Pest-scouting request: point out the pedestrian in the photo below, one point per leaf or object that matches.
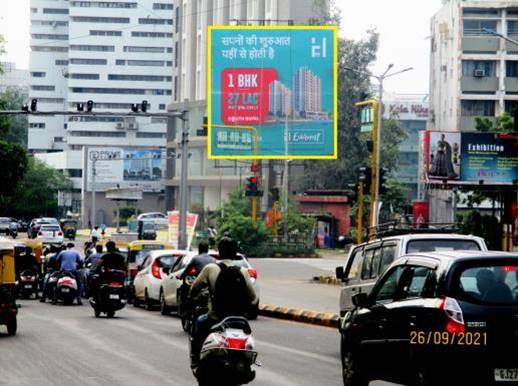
(95, 235)
(213, 233)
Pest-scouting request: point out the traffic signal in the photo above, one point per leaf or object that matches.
(252, 187)
(89, 106)
(383, 181)
(34, 104)
(365, 176)
(144, 105)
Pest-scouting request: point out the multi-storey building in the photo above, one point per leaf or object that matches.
(211, 181)
(472, 72)
(280, 100)
(13, 77)
(114, 53)
(307, 92)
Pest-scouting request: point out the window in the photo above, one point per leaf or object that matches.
(144, 49)
(176, 54)
(480, 12)
(94, 119)
(510, 106)
(131, 91)
(161, 106)
(61, 62)
(388, 255)
(123, 106)
(419, 278)
(356, 263)
(51, 100)
(53, 23)
(85, 47)
(105, 134)
(144, 78)
(512, 27)
(56, 11)
(472, 108)
(37, 74)
(50, 36)
(150, 135)
(105, 33)
(476, 27)
(84, 76)
(48, 49)
(162, 6)
(511, 68)
(484, 67)
(155, 21)
(39, 87)
(376, 261)
(77, 173)
(487, 283)
(158, 120)
(169, 63)
(58, 139)
(98, 62)
(91, 19)
(387, 290)
(33, 125)
(367, 263)
(151, 63)
(140, 34)
(437, 245)
(177, 19)
(34, 10)
(102, 4)
(175, 87)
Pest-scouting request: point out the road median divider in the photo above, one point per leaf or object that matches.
(327, 280)
(327, 319)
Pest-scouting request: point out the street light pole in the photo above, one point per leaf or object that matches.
(184, 191)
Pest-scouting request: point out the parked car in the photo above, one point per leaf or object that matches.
(171, 283)
(435, 319)
(50, 234)
(148, 280)
(367, 261)
(5, 225)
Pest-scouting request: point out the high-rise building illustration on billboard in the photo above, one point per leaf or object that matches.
(280, 100)
(307, 93)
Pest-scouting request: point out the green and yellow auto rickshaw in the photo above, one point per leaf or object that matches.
(8, 309)
(69, 228)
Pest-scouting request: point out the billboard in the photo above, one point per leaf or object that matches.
(272, 92)
(471, 157)
(173, 220)
(143, 168)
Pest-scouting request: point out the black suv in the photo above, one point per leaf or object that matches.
(436, 318)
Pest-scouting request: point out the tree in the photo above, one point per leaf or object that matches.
(13, 129)
(36, 193)
(503, 124)
(13, 159)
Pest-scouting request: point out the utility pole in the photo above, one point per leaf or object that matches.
(184, 189)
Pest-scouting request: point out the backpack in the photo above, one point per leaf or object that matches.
(230, 297)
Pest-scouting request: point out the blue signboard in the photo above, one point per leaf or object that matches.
(272, 92)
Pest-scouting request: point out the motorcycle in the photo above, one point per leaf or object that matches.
(66, 288)
(110, 295)
(189, 310)
(228, 353)
(28, 284)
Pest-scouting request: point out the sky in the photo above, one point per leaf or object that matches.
(404, 27)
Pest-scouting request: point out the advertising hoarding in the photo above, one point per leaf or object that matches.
(125, 167)
(472, 157)
(173, 220)
(272, 92)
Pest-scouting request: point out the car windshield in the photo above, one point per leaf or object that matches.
(490, 283)
(437, 245)
(169, 260)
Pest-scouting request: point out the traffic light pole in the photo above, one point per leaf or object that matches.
(184, 191)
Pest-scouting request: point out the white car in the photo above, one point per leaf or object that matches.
(171, 282)
(148, 280)
(50, 234)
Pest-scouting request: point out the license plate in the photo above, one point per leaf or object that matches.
(112, 296)
(506, 375)
(28, 286)
(65, 289)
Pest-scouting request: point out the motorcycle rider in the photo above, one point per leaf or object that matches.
(208, 277)
(52, 267)
(112, 259)
(70, 261)
(200, 260)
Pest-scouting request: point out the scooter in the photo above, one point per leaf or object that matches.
(66, 288)
(228, 354)
(110, 295)
(28, 284)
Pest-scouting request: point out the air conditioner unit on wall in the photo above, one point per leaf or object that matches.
(120, 125)
(479, 73)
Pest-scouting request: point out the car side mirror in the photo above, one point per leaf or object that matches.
(340, 274)
(361, 300)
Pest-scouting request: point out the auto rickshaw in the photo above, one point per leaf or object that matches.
(69, 228)
(146, 230)
(8, 309)
(137, 250)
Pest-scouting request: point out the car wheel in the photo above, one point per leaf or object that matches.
(148, 305)
(253, 313)
(164, 309)
(12, 326)
(351, 372)
(110, 314)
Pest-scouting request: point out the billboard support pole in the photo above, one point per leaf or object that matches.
(182, 231)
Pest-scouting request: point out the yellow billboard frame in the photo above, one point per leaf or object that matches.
(334, 29)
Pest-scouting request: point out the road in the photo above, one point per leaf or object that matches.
(58, 345)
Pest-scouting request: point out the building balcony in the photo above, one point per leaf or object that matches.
(511, 48)
(468, 123)
(486, 84)
(511, 85)
(480, 44)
